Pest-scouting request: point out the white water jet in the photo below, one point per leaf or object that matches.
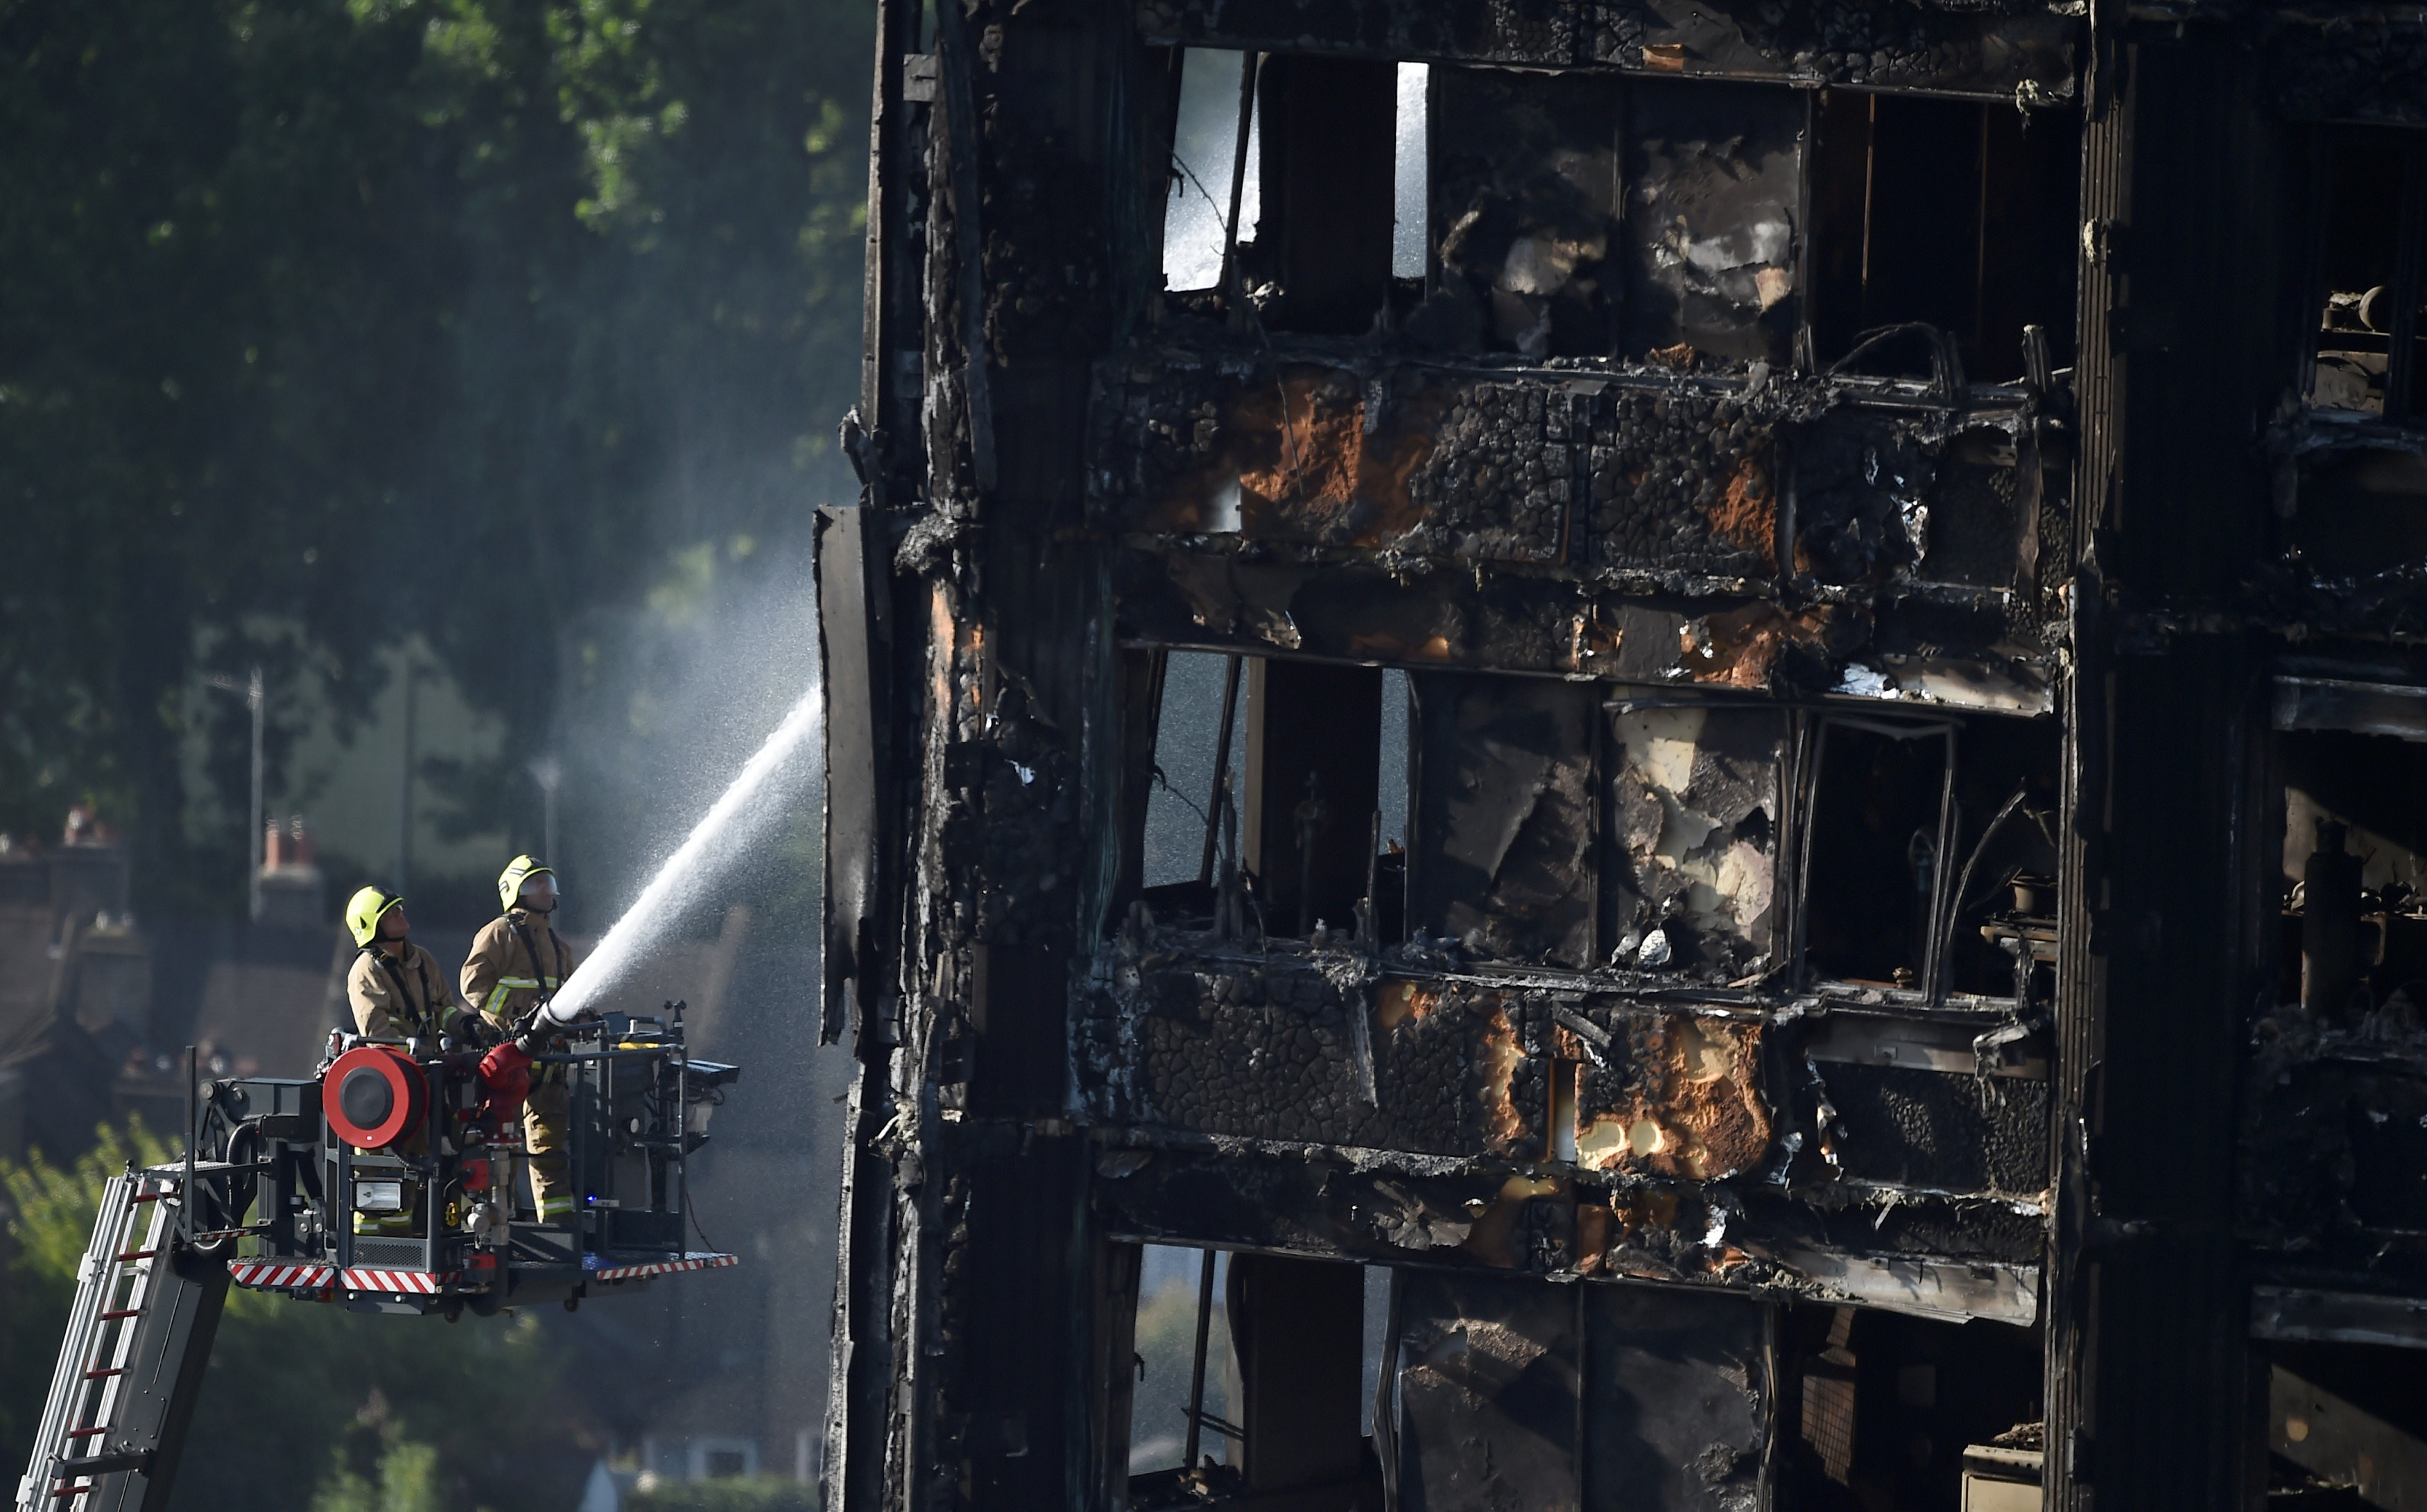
(737, 819)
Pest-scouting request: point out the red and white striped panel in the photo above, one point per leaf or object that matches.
(275, 1276)
(425, 1283)
(695, 1261)
(279, 1276)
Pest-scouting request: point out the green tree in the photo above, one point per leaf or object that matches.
(323, 324)
(200, 212)
(406, 1481)
(737, 1493)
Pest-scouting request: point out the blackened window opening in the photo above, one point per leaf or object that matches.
(1953, 215)
(1327, 149)
(1688, 861)
(1410, 241)
(2343, 1416)
(1190, 768)
(1298, 1334)
(2000, 938)
(1501, 844)
(1291, 779)
(1527, 206)
(2353, 921)
(1204, 153)
(1888, 1411)
(1181, 1344)
(2373, 185)
(1876, 841)
(1311, 786)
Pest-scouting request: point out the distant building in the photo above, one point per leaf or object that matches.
(96, 1008)
(76, 998)
(294, 895)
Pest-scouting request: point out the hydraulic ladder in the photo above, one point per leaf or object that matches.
(139, 1336)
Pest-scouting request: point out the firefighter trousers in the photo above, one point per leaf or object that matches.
(547, 1118)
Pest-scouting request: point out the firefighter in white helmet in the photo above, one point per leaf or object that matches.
(517, 959)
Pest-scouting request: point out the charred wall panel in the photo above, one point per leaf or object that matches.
(2005, 53)
(1679, 481)
(1715, 184)
(851, 663)
(1944, 501)
(1005, 1290)
(1503, 836)
(1942, 1132)
(1474, 1216)
(1527, 206)
(1695, 814)
(1322, 455)
(1860, 514)
(1489, 1385)
(1672, 1095)
(1016, 1066)
(1677, 1396)
(1280, 1055)
(1637, 483)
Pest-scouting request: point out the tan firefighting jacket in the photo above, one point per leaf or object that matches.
(399, 997)
(501, 979)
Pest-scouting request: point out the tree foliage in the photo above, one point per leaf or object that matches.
(739, 1493)
(406, 1480)
(325, 323)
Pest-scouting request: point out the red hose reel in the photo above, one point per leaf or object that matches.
(373, 1096)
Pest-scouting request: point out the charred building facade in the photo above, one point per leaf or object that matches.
(1682, 746)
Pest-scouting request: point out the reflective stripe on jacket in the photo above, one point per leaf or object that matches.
(399, 997)
(500, 979)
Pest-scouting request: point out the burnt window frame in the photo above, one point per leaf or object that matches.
(1833, 346)
(1954, 855)
(1231, 814)
(1235, 1359)
(1272, 95)
(1810, 779)
(1815, 341)
(1801, 769)
(2309, 705)
(2403, 403)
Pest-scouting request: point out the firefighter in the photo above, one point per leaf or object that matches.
(517, 960)
(396, 988)
(399, 992)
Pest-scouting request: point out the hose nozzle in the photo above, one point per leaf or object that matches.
(548, 1014)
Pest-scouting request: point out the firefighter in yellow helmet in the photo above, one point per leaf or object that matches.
(397, 987)
(516, 959)
(397, 991)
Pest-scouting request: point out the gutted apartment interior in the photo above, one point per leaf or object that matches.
(1634, 757)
